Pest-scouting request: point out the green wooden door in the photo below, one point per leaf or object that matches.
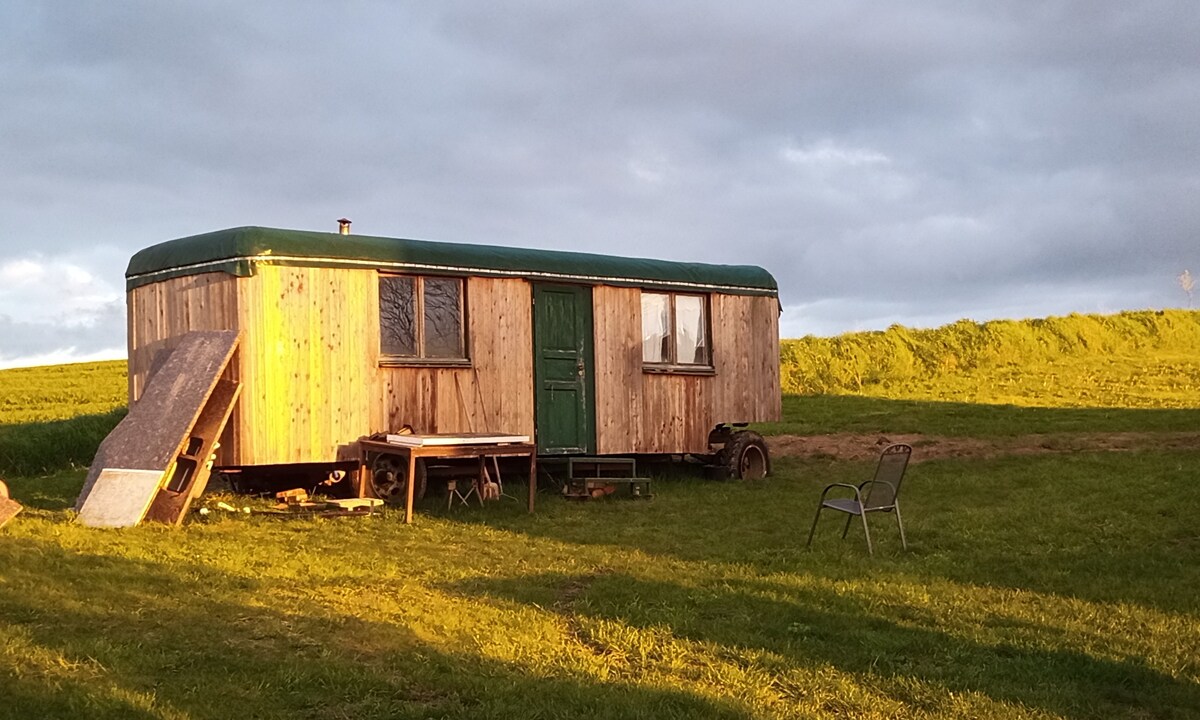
(563, 373)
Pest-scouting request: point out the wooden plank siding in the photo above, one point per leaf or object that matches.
(494, 395)
(617, 369)
(638, 412)
(160, 313)
(309, 360)
(307, 363)
(312, 385)
(745, 341)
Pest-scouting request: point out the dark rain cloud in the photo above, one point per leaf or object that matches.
(889, 163)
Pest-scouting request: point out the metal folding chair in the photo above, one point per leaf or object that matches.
(880, 494)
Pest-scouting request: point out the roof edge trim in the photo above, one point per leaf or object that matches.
(244, 267)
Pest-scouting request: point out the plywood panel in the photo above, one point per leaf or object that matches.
(119, 497)
(8, 510)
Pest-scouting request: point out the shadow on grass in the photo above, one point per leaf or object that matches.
(811, 627)
(98, 636)
(820, 414)
(45, 447)
(52, 492)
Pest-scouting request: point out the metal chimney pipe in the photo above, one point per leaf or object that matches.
(344, 226)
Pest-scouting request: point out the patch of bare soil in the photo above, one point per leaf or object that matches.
(860, 446)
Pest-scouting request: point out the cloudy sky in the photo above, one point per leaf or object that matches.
(913, 162)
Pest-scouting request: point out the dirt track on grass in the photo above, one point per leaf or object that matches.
(861, 446)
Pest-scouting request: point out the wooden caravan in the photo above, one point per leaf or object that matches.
(347, 335)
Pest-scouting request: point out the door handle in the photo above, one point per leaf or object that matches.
(579, 368)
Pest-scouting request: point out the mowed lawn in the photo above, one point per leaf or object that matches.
(1048, 586)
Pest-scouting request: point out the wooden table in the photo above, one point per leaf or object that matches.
(444, 446)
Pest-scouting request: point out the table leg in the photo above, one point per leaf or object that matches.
(480, 479)
(498, 480)
(532, 478)
(412, 477)
(363, 476)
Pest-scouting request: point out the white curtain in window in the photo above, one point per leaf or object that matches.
(691, 345)
(656, 317)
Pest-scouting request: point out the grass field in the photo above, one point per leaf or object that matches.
(1149, 381)
(808, 415)
(61, 392)
(1131, 359)
(1057, 587)
(1045, 586)
(53, 417)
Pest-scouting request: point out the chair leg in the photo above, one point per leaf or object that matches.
(900, 523)
(813, 529)
(849, 517)
(481, 480)
(867, 532)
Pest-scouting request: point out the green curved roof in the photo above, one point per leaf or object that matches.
(239, 250)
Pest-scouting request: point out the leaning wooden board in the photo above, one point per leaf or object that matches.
(188, 477)
(171, 424)
(119, 497)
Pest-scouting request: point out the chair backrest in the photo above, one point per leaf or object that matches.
(892, 464)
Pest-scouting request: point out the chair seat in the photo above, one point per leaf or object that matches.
(878, 494)
(845, 505)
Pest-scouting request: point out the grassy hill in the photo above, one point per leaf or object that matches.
(1144, 359)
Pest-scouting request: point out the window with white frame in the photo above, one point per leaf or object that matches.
(422, 319)
(675, 331)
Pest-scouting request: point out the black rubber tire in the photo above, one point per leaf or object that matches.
(219, 481)
(745, 456)
(388, 480)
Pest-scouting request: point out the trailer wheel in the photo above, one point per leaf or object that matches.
(389, 479)
(745, 456)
